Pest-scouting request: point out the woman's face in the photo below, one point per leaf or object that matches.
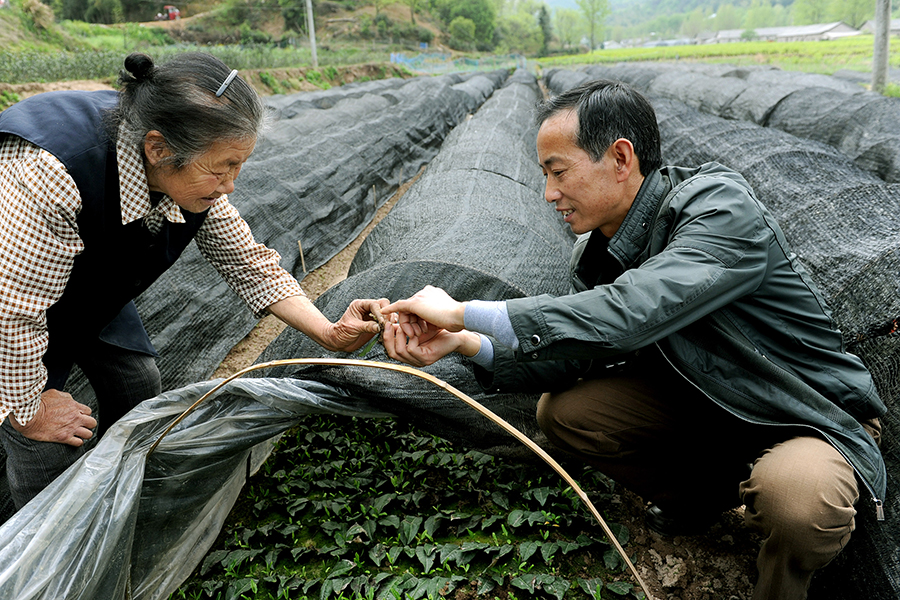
(197, 186)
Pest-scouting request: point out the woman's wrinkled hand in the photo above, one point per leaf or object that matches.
(360, 322)
(59, 419)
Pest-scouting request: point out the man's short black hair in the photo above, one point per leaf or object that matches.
(609, 110)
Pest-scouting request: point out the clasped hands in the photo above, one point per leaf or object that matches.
(426, 327)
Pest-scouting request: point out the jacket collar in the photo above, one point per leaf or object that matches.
(634, 233)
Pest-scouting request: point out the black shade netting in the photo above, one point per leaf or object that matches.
(476, 224)
(861, 124)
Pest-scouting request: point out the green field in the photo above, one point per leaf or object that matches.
(853, 53)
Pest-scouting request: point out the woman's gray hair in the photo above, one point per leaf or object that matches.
(179, 99)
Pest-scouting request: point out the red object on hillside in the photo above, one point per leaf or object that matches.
(169, 13)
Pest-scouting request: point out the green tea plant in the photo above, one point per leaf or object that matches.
(8, 98)
(374, 508)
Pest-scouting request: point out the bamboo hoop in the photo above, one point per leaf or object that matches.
(521, 437)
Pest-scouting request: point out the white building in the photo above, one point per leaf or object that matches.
(869, 27)
(795, 33)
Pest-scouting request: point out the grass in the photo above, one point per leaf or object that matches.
(854, 53)
(374, 508)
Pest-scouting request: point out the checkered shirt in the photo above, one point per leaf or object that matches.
(39, 205)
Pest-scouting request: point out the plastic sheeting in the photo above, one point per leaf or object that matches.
(843, 224)
(476, 224)
(121, 524)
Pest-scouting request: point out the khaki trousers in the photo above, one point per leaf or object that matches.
(653, 432)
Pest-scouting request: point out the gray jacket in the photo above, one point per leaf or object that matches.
(705, 273)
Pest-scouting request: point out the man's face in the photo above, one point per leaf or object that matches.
(589, 195)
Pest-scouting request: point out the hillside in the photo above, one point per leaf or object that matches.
(335, 24)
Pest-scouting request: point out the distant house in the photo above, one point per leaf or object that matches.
(676, 42)
(869, 27)
(796, 33)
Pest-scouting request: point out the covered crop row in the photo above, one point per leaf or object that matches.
(475, 224)
(861, 124)
(842, 222)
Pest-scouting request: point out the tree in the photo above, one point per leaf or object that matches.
(854, 13)
(103, 11)
(462, 33)
(413, 7)
(568, 26)
(694, 24)
(546, 28)
(136, 10)
(595, 13)
(480, 12)
(519, 33)
(294, 14)
(74, 10)
(727, 17)
(810, 12)
(760, 14)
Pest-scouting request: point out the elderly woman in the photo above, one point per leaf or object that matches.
(100, 192)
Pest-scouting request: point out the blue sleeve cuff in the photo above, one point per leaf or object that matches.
(490, 318)
(484, 358)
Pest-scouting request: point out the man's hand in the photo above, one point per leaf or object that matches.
(432, 344)
(360, 322)
(430, 306)
(59, 419)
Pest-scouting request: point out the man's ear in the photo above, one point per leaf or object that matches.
(626, 160)
(155, 147)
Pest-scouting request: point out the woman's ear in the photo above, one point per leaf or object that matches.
(155, 147)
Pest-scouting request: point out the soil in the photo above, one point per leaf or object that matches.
(718, 565)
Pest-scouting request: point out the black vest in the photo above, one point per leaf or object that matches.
(119, 261)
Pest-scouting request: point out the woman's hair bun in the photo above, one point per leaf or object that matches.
(138, 64)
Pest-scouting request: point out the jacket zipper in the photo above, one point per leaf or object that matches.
(879, 505)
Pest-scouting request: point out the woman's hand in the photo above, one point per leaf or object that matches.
(360, 322)
(357, 325)
(59, 419)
